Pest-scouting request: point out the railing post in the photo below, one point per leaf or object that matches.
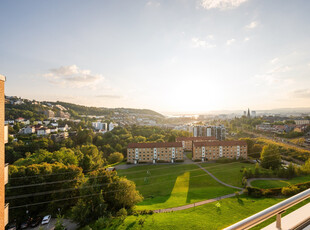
(278, 222)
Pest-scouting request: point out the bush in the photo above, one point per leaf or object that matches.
(289, 191)
(115, 158)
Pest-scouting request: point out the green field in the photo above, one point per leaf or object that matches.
(166, 186)
(279, 183)
(230, 173)
(207, 216)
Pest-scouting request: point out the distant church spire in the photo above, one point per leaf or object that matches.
(249, 113)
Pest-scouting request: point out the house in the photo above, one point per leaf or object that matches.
(43, 131)
(28, 130)
(49, 113)
(54, 129)
(63, 128)
(25, 122)
(112, 126)
(213, 150)
(54, 124)
(46, 122)
(154, 152)
(9, 122)
(59, 136)
(100, 126)
(20, 119)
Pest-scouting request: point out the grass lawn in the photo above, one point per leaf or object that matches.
(189, 155)
(279, 183)
(166, 186)
(228, 172)
(207, 216)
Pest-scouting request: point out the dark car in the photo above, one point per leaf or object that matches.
(24, 225)
(35, 221)
(12, 226)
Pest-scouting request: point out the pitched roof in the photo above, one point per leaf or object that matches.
(219, 143)
(196, 139)
(155, 145)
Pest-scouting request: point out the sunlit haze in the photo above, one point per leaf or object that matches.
(172, 56)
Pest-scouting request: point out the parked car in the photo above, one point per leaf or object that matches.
(12, 226)
(35, 221)
(46, 219)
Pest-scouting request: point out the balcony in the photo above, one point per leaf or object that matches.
(6, 134)
(6, 173)
(6, 214)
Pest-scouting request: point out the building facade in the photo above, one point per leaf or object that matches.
(4, 208)
(187, 142)
(210, 131)
(154, 152)
(219, 149)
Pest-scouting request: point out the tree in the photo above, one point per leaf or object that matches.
(115, 158)
(270, 157)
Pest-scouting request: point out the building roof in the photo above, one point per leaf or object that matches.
(155, 145)
(196, 139)
(219, 143)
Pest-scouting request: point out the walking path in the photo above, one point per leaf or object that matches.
(204, 201)
(221, 182)
(249, 181)
(194, 204)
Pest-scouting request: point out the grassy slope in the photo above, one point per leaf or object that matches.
(189, 155)
(173, 185)
(203, 217)
(228, 173)
(279, 183)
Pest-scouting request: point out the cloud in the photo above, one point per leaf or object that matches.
(252, 25)
(154, 4)
(221, 4)
(72, 76)
(275, 60)
(301, 93)
(110, 96)
(199, 43)
(231, 41)
(246, 39)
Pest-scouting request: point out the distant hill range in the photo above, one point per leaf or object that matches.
(30, 109)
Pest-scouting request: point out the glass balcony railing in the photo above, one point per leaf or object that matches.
(6, 173)
(6, 214)
(6, 134)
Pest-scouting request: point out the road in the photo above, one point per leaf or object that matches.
(67, 223)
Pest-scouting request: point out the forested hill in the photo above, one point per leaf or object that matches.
(86, 110)
(30, 109)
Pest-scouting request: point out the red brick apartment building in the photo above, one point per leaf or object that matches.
(187, 142)
(4, 208)
(154, 152)
(218, 149)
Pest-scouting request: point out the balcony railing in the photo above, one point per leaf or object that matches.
(276, 209)
(6, 134)
(6, 173)
(6, 214)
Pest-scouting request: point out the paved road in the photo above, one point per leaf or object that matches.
(67, 223)
(249, 181)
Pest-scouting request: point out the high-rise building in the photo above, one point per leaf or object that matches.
(249, 115)
(210, 131)
(4, 208)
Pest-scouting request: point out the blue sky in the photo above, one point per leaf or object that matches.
(169, 55)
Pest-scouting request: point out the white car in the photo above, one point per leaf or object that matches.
(46, 219)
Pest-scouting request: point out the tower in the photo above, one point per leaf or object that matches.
(249, 113)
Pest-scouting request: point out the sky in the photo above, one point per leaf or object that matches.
(172, 56)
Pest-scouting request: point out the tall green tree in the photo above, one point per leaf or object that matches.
(270, 157)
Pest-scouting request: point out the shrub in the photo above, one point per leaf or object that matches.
(289, 191)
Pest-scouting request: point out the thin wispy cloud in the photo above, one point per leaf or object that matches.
(252, 25)
(275, 60)
(107, 96)
(221, 4)
(230, 41)
(246, 39)
(301, 93)
(154, 4)
(200, 43)
(73, 77)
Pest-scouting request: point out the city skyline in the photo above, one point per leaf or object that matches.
(175, 56)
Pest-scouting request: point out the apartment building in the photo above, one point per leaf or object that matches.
(187, 142)
(154, 152)
(210, 131)
(4, 208)
(218, 149)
